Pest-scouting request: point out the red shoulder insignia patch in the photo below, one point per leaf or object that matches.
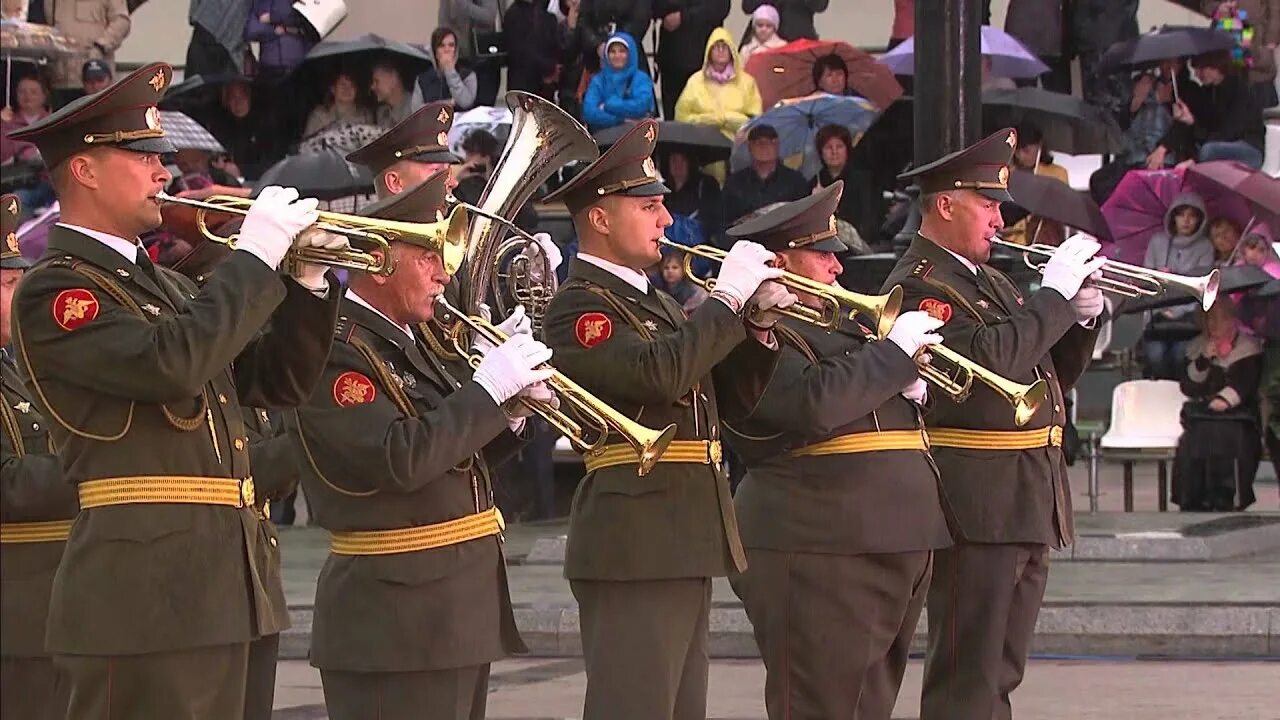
(352, 388)
(592, 329)
(73, 308)
(936, 308)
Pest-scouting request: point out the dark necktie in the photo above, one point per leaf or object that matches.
(144, 264)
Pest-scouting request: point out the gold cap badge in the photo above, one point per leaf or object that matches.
(157, 81)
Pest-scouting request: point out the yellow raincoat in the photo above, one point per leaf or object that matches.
(727, 106)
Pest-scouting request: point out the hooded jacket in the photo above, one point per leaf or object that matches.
(729, 105)
(1181, 254)
(615, 96)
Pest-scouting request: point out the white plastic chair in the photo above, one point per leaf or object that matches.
(1079, 168)
(1145, 427)
(1103, 342)
(1271, 150)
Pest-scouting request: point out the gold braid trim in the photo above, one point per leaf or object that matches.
(311, 461)
(379, 368)
(10, 422)
(427, 331)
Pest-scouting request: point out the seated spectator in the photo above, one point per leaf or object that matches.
(831, 75)
(1182, 248)
(795, 17)
(620, 91)
(394, 101)
(1217, 120)
(1224, 235)
(1219, 451)
(694, 194)
(763, 33)
(32, 98)
(1150, 114)
(450, 79)
(251, 135)
(95, 76)
(1032, 156)
(284, 37)
(531, 35)
(765, 181)
(1257, 249)
(861, 204)
(671, 278)
(343, 107)
(722, 95)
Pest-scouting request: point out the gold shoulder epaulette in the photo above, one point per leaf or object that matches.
(344, 329)
(922, 268)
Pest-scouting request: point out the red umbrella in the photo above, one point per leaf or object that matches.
(787, 72)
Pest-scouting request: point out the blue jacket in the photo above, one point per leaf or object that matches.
(618, 95)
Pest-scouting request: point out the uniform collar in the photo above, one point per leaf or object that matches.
(634, 278)
(962, 260)
(353, 297)
(128, 249)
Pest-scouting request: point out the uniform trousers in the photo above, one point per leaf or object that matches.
(983, 606)
(32, 688)
(204, 683)
(644, 644)
(453, 694)
(834, 630)
(260, 686)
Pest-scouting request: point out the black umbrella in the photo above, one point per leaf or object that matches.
(364, 51)
(324, 176)
(196, 90)
(1070, 124)
(704, 142)
(1167, 43)
(1054, 199)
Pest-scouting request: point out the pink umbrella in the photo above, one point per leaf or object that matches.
(1136, 210)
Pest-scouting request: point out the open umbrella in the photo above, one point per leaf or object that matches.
(1070, 124)
(1261, 190)
(1136, 209)
(324, 176)
(342, 138)
(702, 142)
(1167, 43)
(1056, 200)
(798, 121)
(787, 72)
(1009, 58)
(364, 51)
(187, 134)
(494, 120)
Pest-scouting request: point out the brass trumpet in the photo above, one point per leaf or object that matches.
(838, 304)
(649, 444)
(958, 382)
(1127, 280)
(447, 236)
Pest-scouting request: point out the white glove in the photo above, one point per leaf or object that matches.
(274, 220)
(548, 248)
(1071, 265)
(917, 392)
(1088, 303)
(517, 324)
(311, 275)
(914, 330)
(743, 269)
(513, 366)
(767, 300)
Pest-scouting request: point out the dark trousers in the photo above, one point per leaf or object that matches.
(454, 694)
(673, 82)
(1273, 449)
(32, 688)
(644, 644)
(983, 605)
(206, 683)
(834, 630)
(260, 685)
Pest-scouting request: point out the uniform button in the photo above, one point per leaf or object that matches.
(273, 542)
(239, 444)
(1057, 408)
(222, 398)
(35, 426)
(1048, 374)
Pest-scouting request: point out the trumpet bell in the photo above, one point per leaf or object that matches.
(885, 309)
(652, 444)
(1028, 401)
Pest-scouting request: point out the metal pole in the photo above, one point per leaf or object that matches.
(948, 77)
(1094, 481)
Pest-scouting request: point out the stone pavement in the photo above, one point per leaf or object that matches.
(1141, 584)
(547, 689)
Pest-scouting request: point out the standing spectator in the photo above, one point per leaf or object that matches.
(94, 76)
(569, 44)
(1032, 156)
(343, 107)
(450, 79)
(1038, 24)
(795, 16)
(1096, 25)
(766, 181)
(532, 39)
(394, 101)
(217, 44)
(861, 204)
(904, 23)
(620, 91)
(1264, 17)
(722, 95)
(1217, 120)
(468, 17)
(98, 28)
(1182, 248)
(602, 18)
(284, 37)
(762, 34)
(1224, 235)
(686, 27)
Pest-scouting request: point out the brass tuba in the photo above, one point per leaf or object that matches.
(543, 139)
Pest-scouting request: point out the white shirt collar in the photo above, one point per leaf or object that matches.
(353, 297)
(963, 261)
(128, 249)
(634, 278)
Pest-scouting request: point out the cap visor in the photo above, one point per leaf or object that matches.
(17, 262)
(831, 245)
(149, 145)
(1000, 195)
(648, 189)
(436, 156)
